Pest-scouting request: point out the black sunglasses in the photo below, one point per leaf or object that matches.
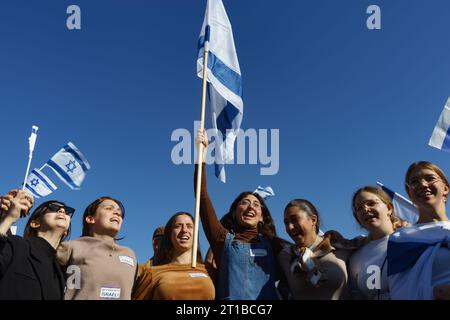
(55, 207)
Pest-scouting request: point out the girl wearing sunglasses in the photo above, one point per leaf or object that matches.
(28, 266)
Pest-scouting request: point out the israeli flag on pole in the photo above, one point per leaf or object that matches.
(441, 136)
(70, 165)
(39, 184)
(224, 81)
(404, 208)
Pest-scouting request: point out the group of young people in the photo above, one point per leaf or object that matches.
(246, 260)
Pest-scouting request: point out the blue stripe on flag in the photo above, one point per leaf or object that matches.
(390, 193)
(446, 142)
(229, 78)
(62, 173)
(43, 180)
(76, 156)
(33, 191)
(403, 255)
(225, 118)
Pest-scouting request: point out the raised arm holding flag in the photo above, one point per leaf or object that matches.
(218, 66)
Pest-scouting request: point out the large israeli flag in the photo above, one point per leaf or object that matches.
(441, 136)
(224, 81)
(39, 184)
(414, 258)
(70, 165)
(404, 209)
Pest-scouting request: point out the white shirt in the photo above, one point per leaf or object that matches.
(368, 270)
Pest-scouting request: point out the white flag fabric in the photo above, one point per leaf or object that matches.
(441, 136)
(417, 260)
(264, 192)
(70, 165)
(224, 81)
(39, 184)
(404, 209)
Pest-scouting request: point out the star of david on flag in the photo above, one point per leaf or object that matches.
(39, 184)
(70, 165)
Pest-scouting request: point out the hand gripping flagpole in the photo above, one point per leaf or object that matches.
(200, 160)
(31, 143)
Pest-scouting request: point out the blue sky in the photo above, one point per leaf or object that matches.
(353, 105)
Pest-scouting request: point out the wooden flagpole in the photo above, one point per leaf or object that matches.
(200, 161)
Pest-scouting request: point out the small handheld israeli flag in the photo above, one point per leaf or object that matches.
(39, 184)
(70, 165)
(440, 138)
(264, 192)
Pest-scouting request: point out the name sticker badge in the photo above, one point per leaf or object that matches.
(197, 275)
(110, 293)
(127, 260)
(258, 252)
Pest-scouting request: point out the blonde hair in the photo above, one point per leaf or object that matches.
(384, 197)
(425, 165)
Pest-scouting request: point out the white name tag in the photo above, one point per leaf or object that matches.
(127, 260)
(258, 252)
(110, 293)
(197, 275)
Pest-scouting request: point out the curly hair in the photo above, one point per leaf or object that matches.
(266, 227)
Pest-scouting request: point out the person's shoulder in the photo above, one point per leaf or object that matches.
(14, 238)
(73, 243)
(126, 250)
(339, 242)
(17, 241)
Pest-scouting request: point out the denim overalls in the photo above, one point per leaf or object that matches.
(247, 270)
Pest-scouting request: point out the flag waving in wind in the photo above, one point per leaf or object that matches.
(70, 165)
(441, 136)
(39, 184)
(224, 81)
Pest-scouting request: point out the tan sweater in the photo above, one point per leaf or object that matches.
(97, 269)
(331, 263)
(174, 282)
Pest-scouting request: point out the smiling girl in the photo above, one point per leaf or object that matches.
(419, 256)
(171, 277)
(244, 245)
(28, 267)
(313, 268)
(374, 211)
(96, 266)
